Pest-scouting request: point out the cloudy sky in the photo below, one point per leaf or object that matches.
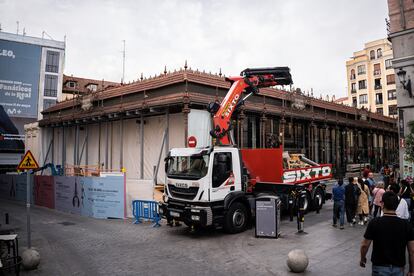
(313, 37)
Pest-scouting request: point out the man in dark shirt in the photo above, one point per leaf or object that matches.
(390, 236)
(351, 201)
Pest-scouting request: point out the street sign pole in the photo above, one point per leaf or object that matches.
(28, 196)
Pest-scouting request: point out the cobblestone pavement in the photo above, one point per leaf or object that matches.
(75, 245)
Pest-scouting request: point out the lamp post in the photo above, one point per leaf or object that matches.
(406, 84)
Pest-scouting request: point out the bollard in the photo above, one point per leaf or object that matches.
(301, 212)
(291, 207)
(7, 218)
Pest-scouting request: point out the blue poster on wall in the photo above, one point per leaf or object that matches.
(106, 195)
(68, 194)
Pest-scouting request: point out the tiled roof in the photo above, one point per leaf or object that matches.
(82, 83)
(210, 80)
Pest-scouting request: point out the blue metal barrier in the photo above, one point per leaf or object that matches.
(146, 209)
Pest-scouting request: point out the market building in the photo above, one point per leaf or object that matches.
(126, 126)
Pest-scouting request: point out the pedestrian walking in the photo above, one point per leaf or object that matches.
(390, 236)
(402, 209)
(406, 192)
(338, 193)
(377, 194)
(386, 176)
(363, 206)
(351, 201)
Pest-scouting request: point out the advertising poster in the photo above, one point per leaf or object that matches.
(107, 197)
(407, 169)
(44, 191)
(68, 194)
(7, 189)
(19, 78)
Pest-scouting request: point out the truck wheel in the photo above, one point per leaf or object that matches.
(236, 218)
(307, 204)
(318, 199)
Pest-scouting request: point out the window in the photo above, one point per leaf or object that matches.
(372, 54)
(51, 83)
(353, 87)
(377, 69)
(391, 79)
(361, 69)
(388, 63)
(352, 74)
(52, 61)
(92, 87)
(377, 84)
(222, 168)
(363, 99)
(392, 109)
(380, 111)
(392, 94)
(48, 103)
(378, 98)
(71, 84)
(379, 53)
(354, 102)
(362, 84)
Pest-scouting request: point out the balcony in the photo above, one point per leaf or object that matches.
(377, 72)
(377, 87)
(378, 102)
(352, 77)
(353, 91)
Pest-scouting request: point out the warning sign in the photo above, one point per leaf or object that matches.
(28, 162)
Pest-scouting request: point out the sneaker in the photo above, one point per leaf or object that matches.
(361, 223)
(334, 225)
(351, 224)
(341, 227)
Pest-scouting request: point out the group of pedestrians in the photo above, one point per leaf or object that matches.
(356, 200)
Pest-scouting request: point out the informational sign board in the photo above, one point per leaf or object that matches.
(19, 78)
(28, 162)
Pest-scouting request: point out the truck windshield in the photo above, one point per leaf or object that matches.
(188, 167)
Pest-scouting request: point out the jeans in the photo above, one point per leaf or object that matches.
(338, 211)
(387, 270)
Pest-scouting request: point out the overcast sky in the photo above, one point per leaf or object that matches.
(313, 37)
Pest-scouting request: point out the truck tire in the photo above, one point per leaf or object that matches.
(318, 199)
(236, 218)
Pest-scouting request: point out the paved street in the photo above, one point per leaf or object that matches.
(75, 245)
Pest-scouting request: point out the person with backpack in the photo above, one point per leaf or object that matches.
(338, 193)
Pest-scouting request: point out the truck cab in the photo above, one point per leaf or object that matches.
(201, 186)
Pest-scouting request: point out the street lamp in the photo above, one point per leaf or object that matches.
(406, 84)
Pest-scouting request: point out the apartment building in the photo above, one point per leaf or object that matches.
(371, 78)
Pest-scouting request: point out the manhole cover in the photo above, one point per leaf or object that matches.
(67, 223)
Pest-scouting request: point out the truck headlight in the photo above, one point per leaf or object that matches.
(195, 218)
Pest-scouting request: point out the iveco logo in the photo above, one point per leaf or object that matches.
(6, 53)
(181, 185)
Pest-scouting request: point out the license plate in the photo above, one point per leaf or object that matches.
(175, 214)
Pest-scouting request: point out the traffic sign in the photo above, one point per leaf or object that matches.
(192, 142)
(28, 162)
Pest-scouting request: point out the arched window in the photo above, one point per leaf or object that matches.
(379, 53)
(352, 77)
(372, 54)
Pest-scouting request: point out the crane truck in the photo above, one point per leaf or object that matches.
(217, 185)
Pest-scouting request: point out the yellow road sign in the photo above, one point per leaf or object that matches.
(28, 162)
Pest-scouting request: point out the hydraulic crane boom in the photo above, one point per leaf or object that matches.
(250, 80)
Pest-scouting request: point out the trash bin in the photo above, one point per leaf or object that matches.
(268, 216)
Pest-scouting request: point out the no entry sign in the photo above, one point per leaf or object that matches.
(192, 142)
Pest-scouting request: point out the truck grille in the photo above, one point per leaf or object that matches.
(184, 193)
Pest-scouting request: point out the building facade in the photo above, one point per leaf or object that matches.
(371, 78)
(31, 74)
(125, 126)
(401, 33)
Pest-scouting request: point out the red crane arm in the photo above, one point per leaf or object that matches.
(252, 80)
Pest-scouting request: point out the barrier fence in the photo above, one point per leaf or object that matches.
(146, 209)
(98, 197)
